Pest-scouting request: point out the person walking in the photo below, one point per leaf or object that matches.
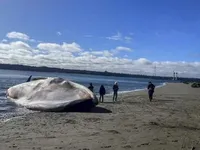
(102, 92)
(115, 90)
(150, 88)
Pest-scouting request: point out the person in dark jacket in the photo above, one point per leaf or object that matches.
(150, 88)
(102, 92)
(115, 90)
(91, 87)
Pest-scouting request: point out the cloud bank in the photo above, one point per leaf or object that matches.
(73, 56)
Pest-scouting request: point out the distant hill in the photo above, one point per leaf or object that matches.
(106, 73)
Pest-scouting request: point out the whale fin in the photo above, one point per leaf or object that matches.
(29, 79)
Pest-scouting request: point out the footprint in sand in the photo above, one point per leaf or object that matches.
(92, 119)
(163, 143)
(58, 147)
(113, 131)
(38, 148)
(95, 133)
(70, 121)
(108, 146)
(174, 140)
(156, 139)
(127, 146)
(143, 144)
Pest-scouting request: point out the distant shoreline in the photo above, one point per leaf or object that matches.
(105, 73)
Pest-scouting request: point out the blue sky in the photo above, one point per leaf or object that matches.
(157, 30)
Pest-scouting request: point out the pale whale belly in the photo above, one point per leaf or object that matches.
(52, 94)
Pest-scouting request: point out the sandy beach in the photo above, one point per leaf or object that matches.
(170, 122)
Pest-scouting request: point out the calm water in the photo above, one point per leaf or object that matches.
(9, 78)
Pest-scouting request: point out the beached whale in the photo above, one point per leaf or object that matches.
(52, 94)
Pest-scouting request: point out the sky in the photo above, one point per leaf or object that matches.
(125, 36)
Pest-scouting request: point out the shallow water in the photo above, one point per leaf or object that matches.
(9, 78)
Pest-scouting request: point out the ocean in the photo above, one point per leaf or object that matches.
(10, 78)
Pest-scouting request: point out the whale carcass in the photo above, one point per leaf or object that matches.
(52, 94)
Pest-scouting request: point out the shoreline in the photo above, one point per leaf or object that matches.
(106, 95)
(136, 90)
(170, 121)
(73, 71)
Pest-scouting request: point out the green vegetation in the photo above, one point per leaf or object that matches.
(195, 85)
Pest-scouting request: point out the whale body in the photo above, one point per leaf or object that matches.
(52, 94)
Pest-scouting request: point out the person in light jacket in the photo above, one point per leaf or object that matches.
(115, 90)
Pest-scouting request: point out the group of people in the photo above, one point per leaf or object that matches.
(102, 91)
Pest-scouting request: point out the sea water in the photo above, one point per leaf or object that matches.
(10, 78)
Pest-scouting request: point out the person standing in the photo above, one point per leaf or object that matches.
(150, 88)
(102, 92)
(91, 87)
(115, 90)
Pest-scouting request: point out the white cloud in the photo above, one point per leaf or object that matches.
(143, 61)
(116, 37)
(49, 46)
(121, 48)
(14, 45)
(127, 38)
(17, 35)
(15, 50)
(73, 47)
(19, 45)
(59, 33)
(106, 53)
(103, 53)
(72, 56)
(120, 37)
(68, 47)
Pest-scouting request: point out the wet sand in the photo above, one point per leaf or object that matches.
(170, 122)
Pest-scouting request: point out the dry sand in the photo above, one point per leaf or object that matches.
(170, 122)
